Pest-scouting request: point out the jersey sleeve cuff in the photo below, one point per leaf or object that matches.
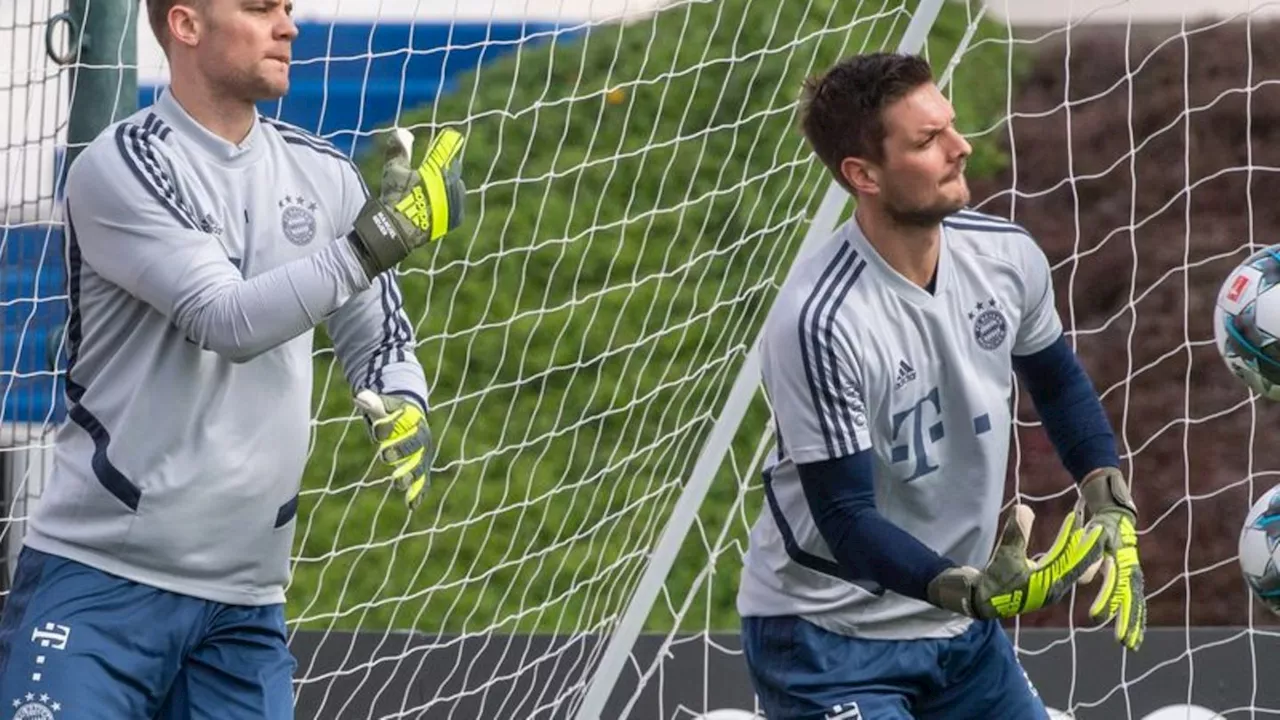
(820, 453)
(410, 395)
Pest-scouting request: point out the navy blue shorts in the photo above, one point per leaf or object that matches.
(802, 672)
(77, 643)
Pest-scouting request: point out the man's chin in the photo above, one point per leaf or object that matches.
(957, 191)
(927, 216)
(270, 90)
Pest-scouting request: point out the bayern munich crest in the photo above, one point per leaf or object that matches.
(298, 219)
(33, 707)
(990, 327)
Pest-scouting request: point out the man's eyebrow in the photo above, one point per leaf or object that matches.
(933, 128)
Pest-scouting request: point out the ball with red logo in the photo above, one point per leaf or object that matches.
(1247, 322)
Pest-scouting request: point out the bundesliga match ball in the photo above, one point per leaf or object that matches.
(1259, 540)
(1246, 322)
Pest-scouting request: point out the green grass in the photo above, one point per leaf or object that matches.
(631, 248)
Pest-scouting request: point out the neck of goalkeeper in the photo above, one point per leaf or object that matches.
(912, 250)
(226, 115)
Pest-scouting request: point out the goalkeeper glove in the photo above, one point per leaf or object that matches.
(1123, 594)
(404, 441)
(413, 207)
(1013, 584)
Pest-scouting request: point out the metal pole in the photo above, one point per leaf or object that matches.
(102, 53)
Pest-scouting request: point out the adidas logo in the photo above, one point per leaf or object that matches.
(906, 374)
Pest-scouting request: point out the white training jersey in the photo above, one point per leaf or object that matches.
(857, 357)
(197, 270)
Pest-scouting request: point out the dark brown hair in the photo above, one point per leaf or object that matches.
(842, 110)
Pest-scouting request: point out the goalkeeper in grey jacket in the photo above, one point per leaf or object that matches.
(204, 243)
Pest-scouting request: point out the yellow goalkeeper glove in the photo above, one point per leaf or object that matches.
(414, 206)
(1012, 583)
(404, 441)
(1105, 494)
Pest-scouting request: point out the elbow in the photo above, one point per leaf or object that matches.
(239, 354)
(850, 522)
(218, 333)
(228, 348)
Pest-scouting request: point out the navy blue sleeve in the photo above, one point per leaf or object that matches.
(1069, 407)
(841, 498)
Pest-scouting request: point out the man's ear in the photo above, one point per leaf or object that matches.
(184, 25)
(861, 175)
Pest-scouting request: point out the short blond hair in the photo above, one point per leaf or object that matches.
(158, 16)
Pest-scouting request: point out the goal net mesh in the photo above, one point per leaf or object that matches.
(33, 296)
(637, 188)
(1140, 156)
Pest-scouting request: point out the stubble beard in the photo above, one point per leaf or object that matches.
(924, 216)
(248, 87)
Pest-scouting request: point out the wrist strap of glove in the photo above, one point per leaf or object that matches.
(1106, 488)
(376, 239)
(953, 590)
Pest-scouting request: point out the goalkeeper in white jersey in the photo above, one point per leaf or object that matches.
(875, 579)
(204, 244)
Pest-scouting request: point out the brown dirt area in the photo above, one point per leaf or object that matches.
(1141, 242)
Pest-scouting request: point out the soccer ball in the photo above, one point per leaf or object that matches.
(1246, 322)
(1259, 540)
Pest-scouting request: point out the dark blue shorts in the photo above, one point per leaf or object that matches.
(802, 672)
(77, 643)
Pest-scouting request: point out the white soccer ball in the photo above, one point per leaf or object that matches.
(1246, 322)
(1259, 540)
(1184, 712)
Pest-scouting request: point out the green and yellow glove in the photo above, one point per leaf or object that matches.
(414, 206)
(1111, 509)
(404, 441)
(1012, 583)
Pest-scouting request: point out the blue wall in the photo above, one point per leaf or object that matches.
(32, 310)
(388, 68)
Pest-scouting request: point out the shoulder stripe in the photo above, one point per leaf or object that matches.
(132, 142)
(973, 220)
(810, 355)
(297, 136)
(975, 216)
(289, 127)
(160, 129)
(307, 143)
(986, 227)
(818, 352)
(844, 412)
(294, 135)
(983, 217)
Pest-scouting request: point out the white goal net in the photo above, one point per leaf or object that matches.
(1140, 155)
(637, 189)
(33, 117)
